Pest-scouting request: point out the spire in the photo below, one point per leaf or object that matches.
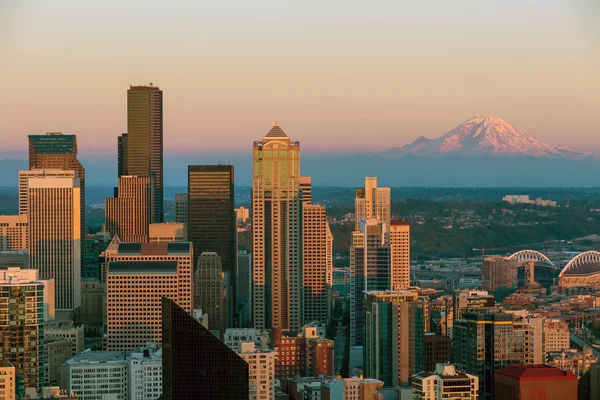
(276, 123)
(276, 131)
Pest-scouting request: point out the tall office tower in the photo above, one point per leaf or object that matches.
(57, 151)
(122, 155)
(498, 272)
(22, 329)
(138, 276)
(445, 382)
(393, 342)
(244, 289)
(372, 202)
(181, 208)
(314, 263)
(399, 243)
(211, 215)
(13, 232)
(484, 343)
(55, 237)
(329, 255)
(208, 291)
(128, 214)
(305, 183)
(25, 175)
(276, 232)
(144, 141)
(196, 364)
(8, 381)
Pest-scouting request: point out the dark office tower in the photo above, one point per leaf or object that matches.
(57, 151)
(145, 140)
(211, 216)
(195, 363)
(122, 150)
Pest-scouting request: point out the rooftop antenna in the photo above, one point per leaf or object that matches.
(151, 84)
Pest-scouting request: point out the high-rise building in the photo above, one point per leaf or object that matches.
(55, 237)
(465, 301)
(276, 232)
(25, 175)
(23, 274)
(57, 151)
(314, 263)
(167, 232)
(181, 208)
(128, 214)
(484, 343)
(305, 183)
(437, 350)
(144, 143)
(211, 216)
(139, 275)
(534, 381)
(196, 364)
(22, 329)
(122, 155)
(244, 288)
(13, 232)
(556, 335)
(372, 202)
(379, 260)
(93, 246)
(8, 381)
(208, 291)
(445, 382)
(498, 272)
(261, 367)
(329, 257)
(393, 342)
(242, 214)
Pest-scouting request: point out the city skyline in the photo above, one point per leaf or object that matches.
(370, 77)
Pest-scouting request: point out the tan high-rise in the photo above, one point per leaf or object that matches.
(13, 232)
(399, 242)
(55, 236)
(372, 202)
(144, 146)
(208, 290)
(128, 214)
(138, 276)
(314, 262)
(276, 232)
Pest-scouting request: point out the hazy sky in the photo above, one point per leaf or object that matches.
(341, 75)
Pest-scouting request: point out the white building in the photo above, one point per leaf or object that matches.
(97, 375)
(261, 370)
(144, 371)
(446, 383)
(234, 337)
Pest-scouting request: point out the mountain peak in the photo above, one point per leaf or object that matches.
(486, 135)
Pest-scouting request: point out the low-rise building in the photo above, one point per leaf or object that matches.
(57, 350)
(67, 330)
(352, 389)
(95, 375)
(235, 336)
(534, 381)
(261, 370)
(167, 232)
(445, 383)
(144, 372)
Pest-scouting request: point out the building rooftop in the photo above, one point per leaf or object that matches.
(142, 267)
(96, 357)
(396, 222)
(527, 371)
(276, 132)
(154, 249)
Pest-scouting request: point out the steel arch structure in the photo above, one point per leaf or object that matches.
(587, 257)
(530, 255)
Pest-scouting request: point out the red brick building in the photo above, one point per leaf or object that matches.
(305, 354)
(534, 382)
(437, 350)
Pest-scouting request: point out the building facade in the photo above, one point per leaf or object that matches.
(128, 214)
(261, 370)
(209, 293)
(276, 232)
(13, 232)
(145, 141)
(557, 336)
(314, 263)
(167, 232)
(82, 375)
(55, 236)
(138, 276)
(445, 383)
(8, 381)
(534, 381)
(181, 208)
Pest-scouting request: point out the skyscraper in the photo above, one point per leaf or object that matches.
(399, 243)
(372, 202)
(208, 291)
(57, 151)
(196, 364)
(276, 232)
(122, 155)
(55, 236)
(128, 214)
(181, 208)
(144, 142)
(13, 232)
(138, 276)
(393, 342)
(211, 214)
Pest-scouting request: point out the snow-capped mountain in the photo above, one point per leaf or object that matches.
(485, 136)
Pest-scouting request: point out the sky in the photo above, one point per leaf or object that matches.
(343, 76)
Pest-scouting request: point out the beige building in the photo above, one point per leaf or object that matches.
(16, 274)
(67, 330)
(24, 177)
(138, 276)
(329, 255)
(56, 351)
(55, 236)
(261, 370)
(276, 232)
(314, 262)
(498, 272)
(352, 389)
(167, 232)
(445, 383)
(372, 202)
(556, 335)
(8, 381)
(242, 214)
(305, 183)
(399, 243)
(128, 215)
(208, 290)
(13, 232)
